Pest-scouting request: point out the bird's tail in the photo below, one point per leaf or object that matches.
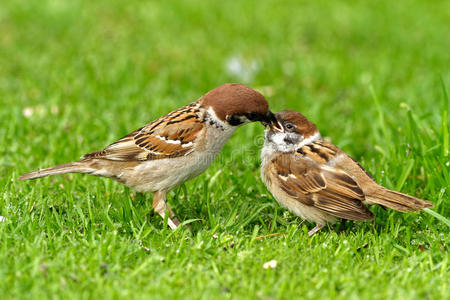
(73, 167)
(398, 201)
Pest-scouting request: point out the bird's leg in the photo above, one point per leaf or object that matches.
(172, 216)
(315, 229)
(160, 206)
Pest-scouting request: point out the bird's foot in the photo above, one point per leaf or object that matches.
(173, 224)
(161, 207)
(176, 221)
(171, 220)
(315, 229)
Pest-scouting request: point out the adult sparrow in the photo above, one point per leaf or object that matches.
(318, 181)
(174, 148)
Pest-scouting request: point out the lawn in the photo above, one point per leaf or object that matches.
(77, 75)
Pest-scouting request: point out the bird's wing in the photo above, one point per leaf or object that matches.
(172, 135)
(326, 188)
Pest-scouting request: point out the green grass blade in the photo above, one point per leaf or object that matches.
(444, 126)
(445, 149)
(437, 216)
(381, 119)
(405, 173)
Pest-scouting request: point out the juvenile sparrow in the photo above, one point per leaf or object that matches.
(174, 148)
(318, 181)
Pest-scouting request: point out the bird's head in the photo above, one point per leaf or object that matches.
(236, 104)
(290, 130)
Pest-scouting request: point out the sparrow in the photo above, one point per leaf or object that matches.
(174, 148)
(316, 180)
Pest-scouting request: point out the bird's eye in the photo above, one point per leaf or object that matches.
(289, 126)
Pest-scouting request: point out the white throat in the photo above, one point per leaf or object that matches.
(277, 143)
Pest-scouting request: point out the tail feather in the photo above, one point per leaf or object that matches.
(398, 201)
(73, 167)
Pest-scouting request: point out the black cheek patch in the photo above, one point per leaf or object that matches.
(288, 140)
(234, 120)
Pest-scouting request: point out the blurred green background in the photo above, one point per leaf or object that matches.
(76, 75)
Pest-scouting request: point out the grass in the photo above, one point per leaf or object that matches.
(76, 75)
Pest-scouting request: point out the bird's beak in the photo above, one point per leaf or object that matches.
(272, 122)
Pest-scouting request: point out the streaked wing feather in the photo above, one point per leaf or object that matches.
(328, 189)
(170, 136)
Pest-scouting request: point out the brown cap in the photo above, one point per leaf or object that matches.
(302, 124)
(235, 99)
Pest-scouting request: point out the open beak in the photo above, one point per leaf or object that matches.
(272, 122)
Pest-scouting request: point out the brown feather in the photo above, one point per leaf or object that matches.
(163, 138)
(397, 200)
(329, 190)
(73, 167)
(303, 125)
(227, 100)
(320, 151)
